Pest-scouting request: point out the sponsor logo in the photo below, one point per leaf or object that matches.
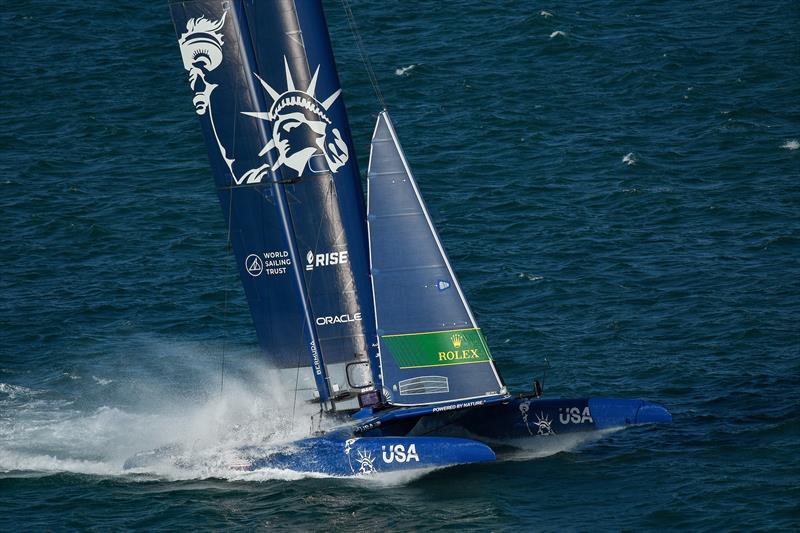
(457, 339)
(437, 348)
(461, 354)
(328, 259)
(254, 265)
(338, 319)
(302, 133)
(274, 263)
(453, 355)
(574, 415)
(397, 453)
(454, 406)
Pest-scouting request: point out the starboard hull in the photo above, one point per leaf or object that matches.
(522, 418)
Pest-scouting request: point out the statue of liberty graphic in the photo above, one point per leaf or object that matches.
(301, 129)
(296, 117)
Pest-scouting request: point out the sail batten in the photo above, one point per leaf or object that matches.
(426, 330)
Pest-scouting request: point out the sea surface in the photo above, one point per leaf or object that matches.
(616, 183)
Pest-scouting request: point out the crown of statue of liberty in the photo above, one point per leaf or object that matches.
(295, 99)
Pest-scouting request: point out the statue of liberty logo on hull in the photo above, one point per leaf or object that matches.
(302, 132)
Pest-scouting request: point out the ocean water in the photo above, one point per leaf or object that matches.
(616, 183)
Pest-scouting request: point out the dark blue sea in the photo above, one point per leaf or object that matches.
(617, 185)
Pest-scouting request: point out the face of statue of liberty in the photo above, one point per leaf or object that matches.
(291, 133)
(301, 128)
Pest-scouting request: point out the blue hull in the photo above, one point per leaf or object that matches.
(338, 455)
(510, 419)
(531, 417)
(424, 438)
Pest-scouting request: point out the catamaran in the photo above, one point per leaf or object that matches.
(354, 303)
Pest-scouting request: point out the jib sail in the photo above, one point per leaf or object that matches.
(269, 102)
(431, 349)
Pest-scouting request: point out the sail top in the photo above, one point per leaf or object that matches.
(431, 349)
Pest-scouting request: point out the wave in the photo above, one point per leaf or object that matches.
(404, 71)
(792, 144)
(528, 449)
(15, 391)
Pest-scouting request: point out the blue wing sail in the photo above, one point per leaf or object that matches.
(431, 349)
(269, 102)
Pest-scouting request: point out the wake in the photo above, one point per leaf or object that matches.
(170, 415)
(42, 433)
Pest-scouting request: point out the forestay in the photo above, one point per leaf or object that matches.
(431, 349)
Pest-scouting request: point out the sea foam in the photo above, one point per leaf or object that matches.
(630, 159)
(792, 144)
(207, 430)
(404, 71)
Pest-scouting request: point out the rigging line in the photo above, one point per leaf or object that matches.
(229, 249)
(296, 383)
(364, 57)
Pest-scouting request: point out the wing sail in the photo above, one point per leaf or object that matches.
(269, 101)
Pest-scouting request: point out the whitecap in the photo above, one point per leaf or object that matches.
(530, 277)
(403, 71)
(102, 381)
(792, 144)
(557, 33)
(630, 159)
(16, 462)
(545, 14)
(12, 391)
